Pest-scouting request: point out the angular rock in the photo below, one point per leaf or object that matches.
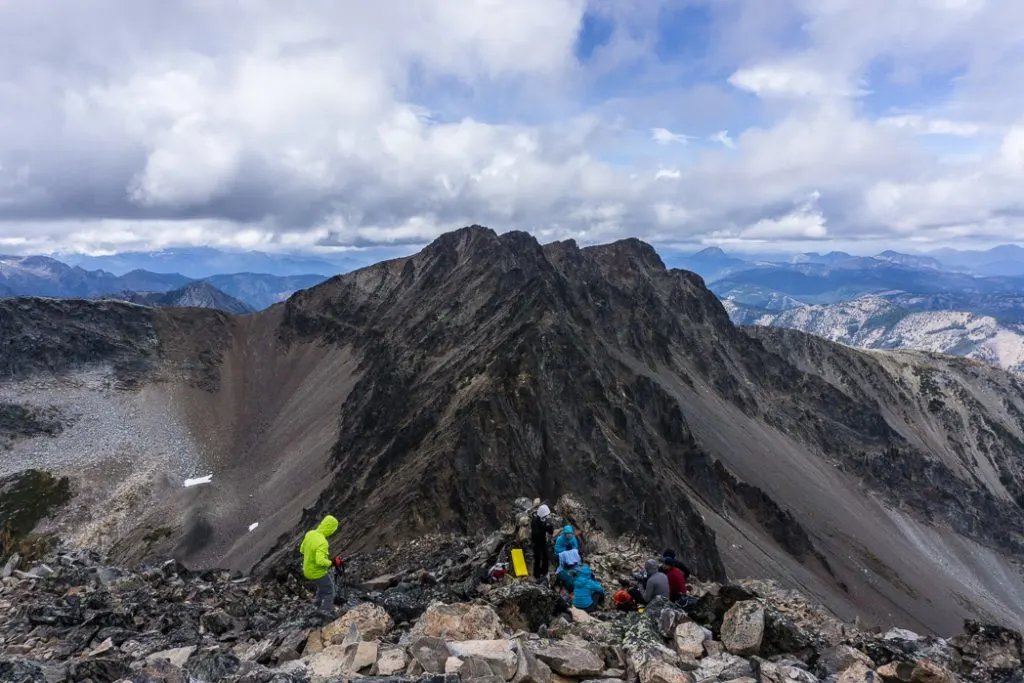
(724, 667)
(99, 669)
(500, 655)
(291, 647)
(176, 657)
(837, 659)
(986, 646)
(431, 653)
(461, 622)
(524, 606)
(930, 672)
(161, 671)
(314, 642)
(391, 661)
(783, 637)
(371, 620)
(743, 628)
(659, 672)
(858, 673)
(211, 665)
(381, 583)
(571, 660)
(711, 607)
(530, 669)
(896, 672)
(217, 622)
(453, 665)
(771, 672)
(689, 638)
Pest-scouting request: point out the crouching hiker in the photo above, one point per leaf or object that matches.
(317, 562)
(587, 594)
(657, 582)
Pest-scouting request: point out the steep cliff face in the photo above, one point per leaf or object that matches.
(422, 393)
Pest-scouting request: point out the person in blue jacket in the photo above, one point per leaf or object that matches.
(566, 540)
(586, 592)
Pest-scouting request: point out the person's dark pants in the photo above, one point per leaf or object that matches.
(324, 599)
(541, 560)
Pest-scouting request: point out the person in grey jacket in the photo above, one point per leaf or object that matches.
(657, 582)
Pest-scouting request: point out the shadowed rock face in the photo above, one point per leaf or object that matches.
(420, 394)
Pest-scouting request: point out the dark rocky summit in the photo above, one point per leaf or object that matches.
(73, 619)
(413, 397)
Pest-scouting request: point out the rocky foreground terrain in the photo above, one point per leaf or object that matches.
(429, 618)
(414, 397)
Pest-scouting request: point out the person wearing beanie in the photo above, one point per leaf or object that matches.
(540, 529)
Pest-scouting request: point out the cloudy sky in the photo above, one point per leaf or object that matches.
(321, 124)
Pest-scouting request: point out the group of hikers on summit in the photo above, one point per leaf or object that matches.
(666, 577)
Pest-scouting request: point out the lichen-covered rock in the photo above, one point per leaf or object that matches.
(530, 669)
(571, 660)
(431, 652)
(210, 665)
(930, 672)
(371, 621)
(724, 667)
(986, 647)
(689, 638)
(743, 628)
(500, 655)
(655, 671)
(391, 661)
(461, 622)
(896, 672)
(524, 606)
(837, 659)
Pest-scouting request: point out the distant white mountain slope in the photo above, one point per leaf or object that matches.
(872, 322)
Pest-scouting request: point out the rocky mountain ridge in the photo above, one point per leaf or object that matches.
(414, 394)
(192, 295)
(72, 619)
(879, 323)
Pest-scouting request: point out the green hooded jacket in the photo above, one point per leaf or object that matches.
(316, 558)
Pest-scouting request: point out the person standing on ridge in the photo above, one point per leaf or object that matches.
(540, 529)
(317, 562)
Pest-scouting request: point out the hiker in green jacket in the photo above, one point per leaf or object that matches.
(317, 562)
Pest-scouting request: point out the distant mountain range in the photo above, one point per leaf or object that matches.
(45, 276)
(877, 323)
(199, 294)
(199, 263)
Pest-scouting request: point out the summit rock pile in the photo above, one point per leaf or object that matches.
(72, 618)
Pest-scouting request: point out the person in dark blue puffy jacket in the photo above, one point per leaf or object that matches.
(586, 592)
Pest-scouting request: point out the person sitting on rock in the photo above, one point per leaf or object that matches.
(567, 576)
(657, 582)
(569, 557)
(668, 558)
(540, 529)
(566, 540)
(676, 581)
(317, 561)
(587, 594)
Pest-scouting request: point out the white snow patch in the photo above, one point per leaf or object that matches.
(198, 480)
(252, 527)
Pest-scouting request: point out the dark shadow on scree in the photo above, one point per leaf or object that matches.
(198, 536)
